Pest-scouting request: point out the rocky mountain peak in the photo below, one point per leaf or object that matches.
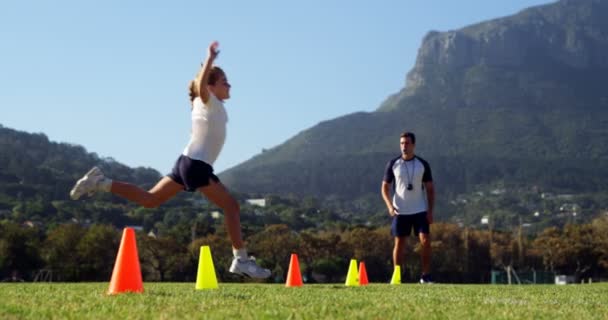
(571, 33)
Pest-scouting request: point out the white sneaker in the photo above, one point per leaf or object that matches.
(248, 268)
(88, 184)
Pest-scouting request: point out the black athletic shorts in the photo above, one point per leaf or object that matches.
(403, 224)
(192, 174)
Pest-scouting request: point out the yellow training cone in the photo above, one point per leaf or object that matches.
(205, 277)
(351, 277)
(396, 279)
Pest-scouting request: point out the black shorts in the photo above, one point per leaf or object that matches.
(403, 224)
(192, 174)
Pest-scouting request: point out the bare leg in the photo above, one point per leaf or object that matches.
(399, 251)
(164, 190)
(219, 195)
(425, 253)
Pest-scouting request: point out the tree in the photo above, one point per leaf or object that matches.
(580, 251)
(97, 251)
(163, 258)
(549, 245)
(478, 260)
(374, 247)
(275, 243)
(60, 251)
(449, 254)
(316, 251)
(18, 250)
(600, 230)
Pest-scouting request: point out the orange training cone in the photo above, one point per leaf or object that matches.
(362, 274)
(294, 277)
(126, 276)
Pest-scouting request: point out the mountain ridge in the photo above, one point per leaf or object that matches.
(511, 104)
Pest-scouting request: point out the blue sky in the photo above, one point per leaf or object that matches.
(112, 75)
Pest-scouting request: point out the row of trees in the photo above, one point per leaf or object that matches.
(71, 252)
(36, 175)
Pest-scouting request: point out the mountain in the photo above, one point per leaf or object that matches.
(36, 176)
(32, 167)
(517, 101)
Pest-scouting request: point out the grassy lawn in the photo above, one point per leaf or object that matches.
(323, 301)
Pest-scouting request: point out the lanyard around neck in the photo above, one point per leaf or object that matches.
(410, 186)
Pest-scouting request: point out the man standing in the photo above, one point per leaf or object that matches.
(412, 204)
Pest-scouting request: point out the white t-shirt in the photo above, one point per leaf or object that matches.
(414, 172)
(208, 130)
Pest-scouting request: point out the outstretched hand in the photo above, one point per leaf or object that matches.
(213, 51)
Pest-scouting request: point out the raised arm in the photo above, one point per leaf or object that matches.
(203, 76)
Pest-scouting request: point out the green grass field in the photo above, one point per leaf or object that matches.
(323, 301)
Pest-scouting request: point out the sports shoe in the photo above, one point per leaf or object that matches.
(426, 279)
(88, 184)
(248, 268)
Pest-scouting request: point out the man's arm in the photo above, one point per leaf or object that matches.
(430, 198)
(386, 195)
(203, 76)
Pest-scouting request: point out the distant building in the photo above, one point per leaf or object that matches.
(485, 220)
(498, 191)
(564, 279)
(546, 195)
(216, 215)
(84, 223)
(31, 224)
(199, 201)
(257, 202)
(565, 196)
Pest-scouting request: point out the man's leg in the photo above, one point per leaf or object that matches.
(425, 253)
(399, 252)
